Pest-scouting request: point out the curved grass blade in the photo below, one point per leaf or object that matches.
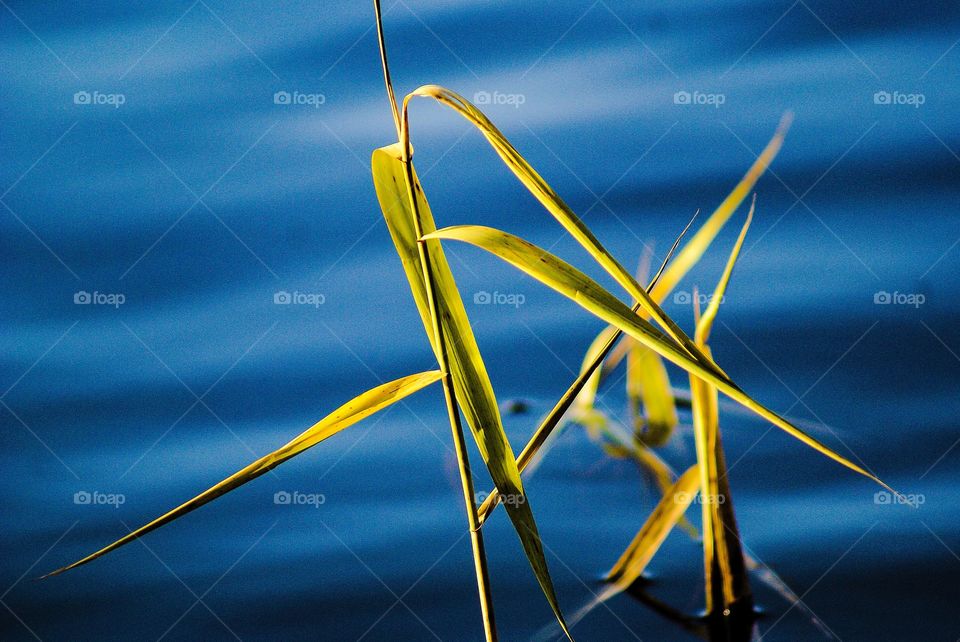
(346, 415)
(693, 251)
(567, 280)
(570, 397)
(560, 211)
(471, 382)
(654, 531)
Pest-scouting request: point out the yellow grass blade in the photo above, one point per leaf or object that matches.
(472, 386)
(649, 385)
(567, 280)
(705, 324)
(346, 415)
(588, 394)
(698, 244)
(647, 542)
(559, 209)
(725, 572)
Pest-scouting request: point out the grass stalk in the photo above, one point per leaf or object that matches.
(728, 598)
(553, 418)
(453, 411)
(463, 461)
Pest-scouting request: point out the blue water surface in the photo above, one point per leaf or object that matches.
(171, 169)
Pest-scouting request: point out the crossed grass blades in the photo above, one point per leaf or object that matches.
(650, 336)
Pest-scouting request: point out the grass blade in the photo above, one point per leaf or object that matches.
(654, 531)
(725, 571)
(710, 314)
(567, 280)
(346, 415)
(470, 379)
(560, 211)
(693, 251)
(648, 385)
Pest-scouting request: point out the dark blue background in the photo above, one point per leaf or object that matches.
(199, 198)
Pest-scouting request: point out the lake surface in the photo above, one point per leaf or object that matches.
(147, 165)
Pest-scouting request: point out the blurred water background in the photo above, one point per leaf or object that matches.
(144, 154)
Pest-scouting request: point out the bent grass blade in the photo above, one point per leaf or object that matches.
(580, 395)
(472, 386)
(725, 572)
(654, 531)
(567, 280)
(560, 211)
(356, 409)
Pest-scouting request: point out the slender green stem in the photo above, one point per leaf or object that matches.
(386, 67)
(453, 411)
(466, 478)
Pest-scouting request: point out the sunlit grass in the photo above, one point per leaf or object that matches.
(643, 336)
